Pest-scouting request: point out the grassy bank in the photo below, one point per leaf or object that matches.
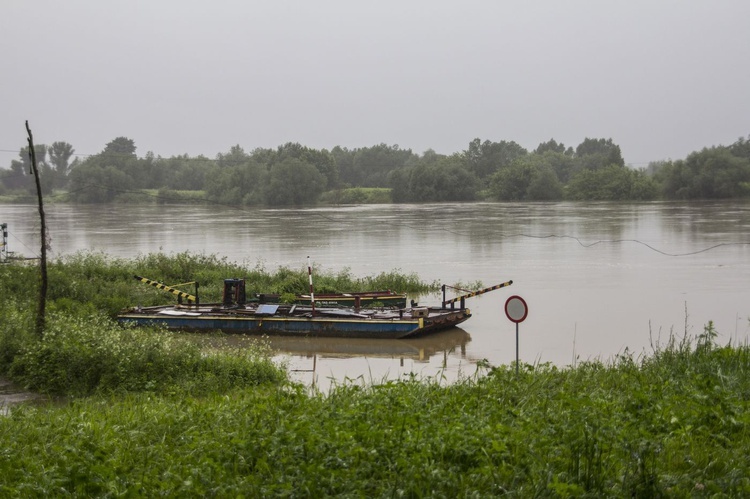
(94, 282)
(148, 413)
(674, 424)
(83, 351)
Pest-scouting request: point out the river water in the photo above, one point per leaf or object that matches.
(598, 278)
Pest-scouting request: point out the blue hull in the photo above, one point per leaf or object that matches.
(300, 326)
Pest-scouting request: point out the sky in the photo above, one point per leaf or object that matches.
(661, 78)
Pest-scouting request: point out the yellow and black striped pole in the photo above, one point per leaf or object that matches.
(170, 289)
(474, 293)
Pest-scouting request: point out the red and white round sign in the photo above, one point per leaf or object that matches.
(516, 309)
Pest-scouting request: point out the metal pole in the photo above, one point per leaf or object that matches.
(312, 295)
(516, 349)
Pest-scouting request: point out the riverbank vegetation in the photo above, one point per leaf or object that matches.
(295, 175)
(670, 424)
(148, 413)
(83, 351)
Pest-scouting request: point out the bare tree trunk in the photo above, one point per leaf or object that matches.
(40, 320)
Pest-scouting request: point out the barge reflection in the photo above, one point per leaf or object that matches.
(419, 348)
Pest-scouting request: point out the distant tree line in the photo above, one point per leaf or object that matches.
(293, 174)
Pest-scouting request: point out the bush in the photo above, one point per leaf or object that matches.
(81, 356)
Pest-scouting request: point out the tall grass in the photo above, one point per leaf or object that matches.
(672, 424)
(83, 356)
(170, 418)
(86, 282)
(84, 352)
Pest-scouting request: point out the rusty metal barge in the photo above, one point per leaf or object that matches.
(238, 315)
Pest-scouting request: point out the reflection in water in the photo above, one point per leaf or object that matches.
(325, 355)
(419, 348)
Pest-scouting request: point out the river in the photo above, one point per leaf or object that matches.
(598, 278)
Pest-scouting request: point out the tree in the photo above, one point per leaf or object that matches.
(612, 183)
(434, 178)
(552, 146)
(344, 159)
(241, 184)
(120, 155)
(486, 158)
(91, 183)
(544, 186)
(293, 182)
(322, 160)
(59, 157)
(371, 166)
(235, 157)
(120, 146)
(741, 148)
(709, 174)
(563, 164)
(512, 183)
(186, 173)
(399, 183)
(592, 154)
(528, 178)
(20, 177)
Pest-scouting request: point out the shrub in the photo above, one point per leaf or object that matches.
(80, 356)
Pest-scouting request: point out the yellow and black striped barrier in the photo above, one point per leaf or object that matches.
(170, 289)
(475, 293)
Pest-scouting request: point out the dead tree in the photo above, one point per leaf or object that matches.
(40, 317)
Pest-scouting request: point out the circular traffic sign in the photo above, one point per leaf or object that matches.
(516, 309)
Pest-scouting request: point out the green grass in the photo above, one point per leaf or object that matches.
(87, 282)
(149, 413)
(83, 351)
(674, 424)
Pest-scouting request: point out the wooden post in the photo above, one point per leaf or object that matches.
(40, 319)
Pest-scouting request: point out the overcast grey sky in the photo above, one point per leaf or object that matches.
(662, 78)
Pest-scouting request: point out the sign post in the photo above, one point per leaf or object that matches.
(516, 310)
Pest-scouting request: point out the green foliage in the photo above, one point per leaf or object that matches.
(672, 424)
(709, 174)
(237, 183)
(593, 154)
(323, 161)
(84, 351)
(395, 281)
(611, 183)
(293, 182)
(741, 148)
(554, 147)
(171, 196)
(370, 166)
(442, 180)
(122, 147)
(357, 195)
(293, 174)
(486, 158)
(87, 282)
(529, 178)
(91, 183)
(80, 356)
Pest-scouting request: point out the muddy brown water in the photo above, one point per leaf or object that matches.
(598, 278)
(11, 394)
